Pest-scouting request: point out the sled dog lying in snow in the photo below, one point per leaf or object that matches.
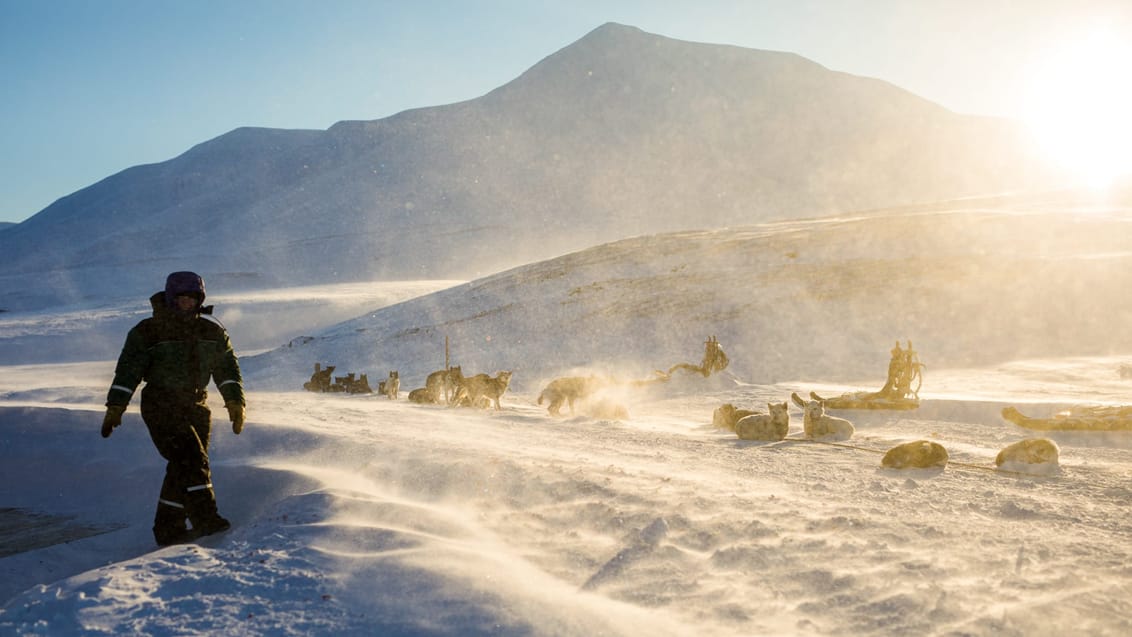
(819, 425)
(918, 454)
(1024, 454)
(569, 390)
(772, 426)
(471, 390)
(726, 415)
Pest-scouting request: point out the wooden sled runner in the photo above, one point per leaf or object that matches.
(1077, 419)
(866, 400)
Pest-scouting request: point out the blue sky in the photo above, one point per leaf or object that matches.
(91, 87)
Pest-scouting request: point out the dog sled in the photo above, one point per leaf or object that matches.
(1083, 418)
(867, 400)
(901, 390)
(714, 360)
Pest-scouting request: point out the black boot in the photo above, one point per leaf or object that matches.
(169, 524)
(215, 524)
(200, 502)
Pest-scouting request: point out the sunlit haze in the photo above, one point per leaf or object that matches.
(1079, 104)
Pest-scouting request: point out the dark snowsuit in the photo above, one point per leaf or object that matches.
(176, 355)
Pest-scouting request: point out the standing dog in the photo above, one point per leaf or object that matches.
(473, 389)
(443, 383)
(569, 390)
(391, 386)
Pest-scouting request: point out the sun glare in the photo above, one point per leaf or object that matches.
(1079, 107)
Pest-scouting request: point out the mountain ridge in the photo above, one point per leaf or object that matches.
(618, 134)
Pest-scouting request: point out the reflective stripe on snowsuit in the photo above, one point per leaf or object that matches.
(179, 424)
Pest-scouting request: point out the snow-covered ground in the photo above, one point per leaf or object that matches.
(360, 515)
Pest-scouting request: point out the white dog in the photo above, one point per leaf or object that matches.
(390, 387)
(819, 425)
(772, 426)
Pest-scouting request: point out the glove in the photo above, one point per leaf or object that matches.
(112, 419)
(236, 415)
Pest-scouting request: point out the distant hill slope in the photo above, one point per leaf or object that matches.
(970, 284)
(619, 134)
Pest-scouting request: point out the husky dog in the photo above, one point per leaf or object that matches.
(320, 379)
(443, 383)
(918, 454)
(569, 390)
(772, 426)
(819, 425)
(391, 386)
(727, 415)
(1031, 451)
(472, 389)
(351, 384)
(362, 386)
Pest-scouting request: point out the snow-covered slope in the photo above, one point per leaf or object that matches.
(971, 283)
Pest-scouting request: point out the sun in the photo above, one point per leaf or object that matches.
(1079, 107)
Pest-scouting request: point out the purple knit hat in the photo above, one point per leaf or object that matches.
(184, 283)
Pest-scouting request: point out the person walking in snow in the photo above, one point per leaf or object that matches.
(175, 352)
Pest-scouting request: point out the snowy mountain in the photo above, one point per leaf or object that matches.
(622, 133)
